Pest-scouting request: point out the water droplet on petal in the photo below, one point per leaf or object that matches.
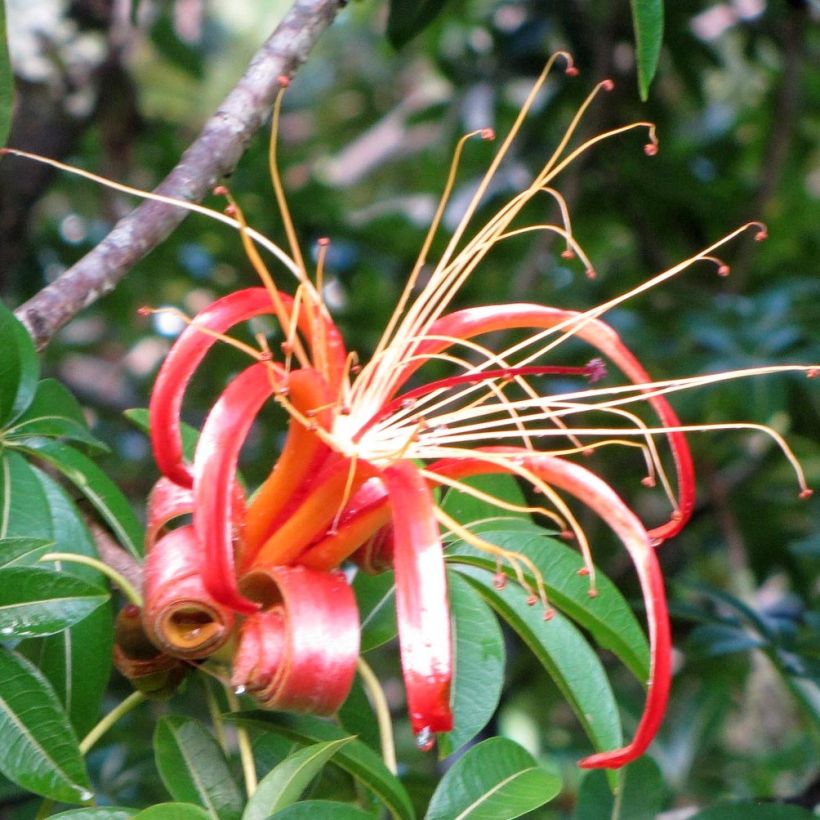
(240, 690)
(425, 740)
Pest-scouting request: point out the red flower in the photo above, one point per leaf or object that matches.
(363, 453)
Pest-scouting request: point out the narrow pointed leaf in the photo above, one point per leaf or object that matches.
(608, 617)
(376, 600)
(285, 784)
(647, 20)
(326, 809)
(77, 664)
(753, 811)
(355, 757)
(408, 18)
(55, 413)
(19, 368)
(173, 811)
(138, 416)
(357, 717)
(641, 794)
(39, 749)
(564, 653)
(193, 767)
(77, 661)
(468, 509)
(495, 780)
(24, 507)
(21, 551)
(36, 601)
(479, 664)
(99, 813)
(97, 487)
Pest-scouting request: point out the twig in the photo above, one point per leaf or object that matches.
(379, 703)
(245, 748)
(214, 153)
(132, 701)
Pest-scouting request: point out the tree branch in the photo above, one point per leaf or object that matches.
(213, 154)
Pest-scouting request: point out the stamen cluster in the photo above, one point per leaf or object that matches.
(259, 577)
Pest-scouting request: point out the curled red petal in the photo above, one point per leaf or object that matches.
(465, 324)
(180, 616)
(188, 352)
(601, 498)
(166, 501)
(299, 654)
(422, 608)
(215, 465)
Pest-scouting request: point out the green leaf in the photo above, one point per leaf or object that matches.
(564, 653)
(376, 599)
(54, 413)
(285, 784)
(77, 661)
(96, 486)
(647, 20)
(641, 794)
(39, 601)
(6, 80)
(193, 767)
(357, 717)
(467, 509)
(39, 750)
(608, 617)
(479, 665)
(324, 809)
(19, 550)
(24, 509)
(495, 780)
(106, 813)
(753, 811)
(173, 811)
(408, 18)
(77, 664)
(69, 531)
(356, 758)
(138, 416)
(19, 368)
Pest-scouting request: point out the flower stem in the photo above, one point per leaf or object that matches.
(115, 577)
(215, 713)
(245, 750)
(133, 700)
(375, 693)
